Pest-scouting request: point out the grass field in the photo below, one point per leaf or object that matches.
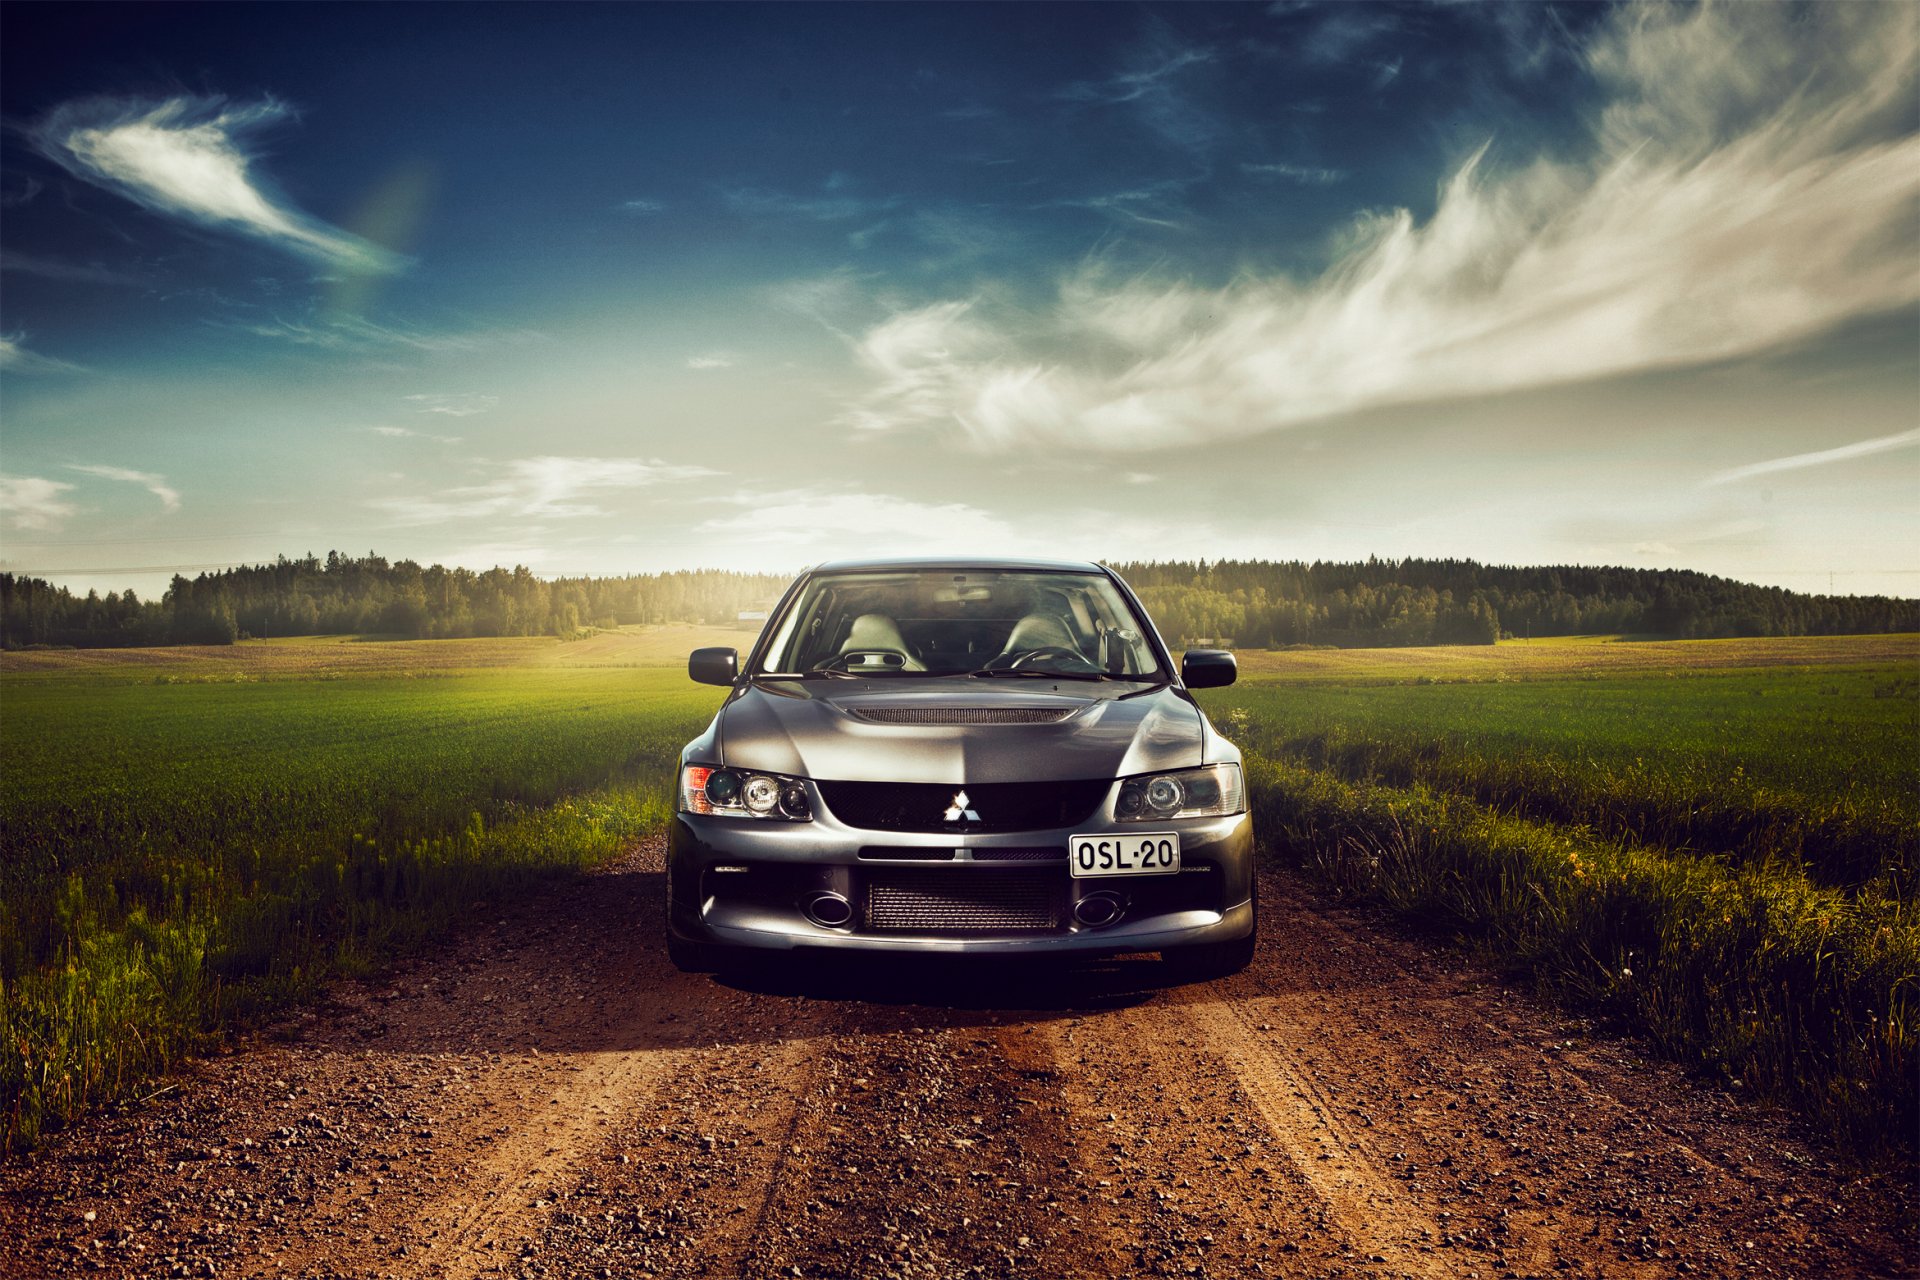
(1713, 841)
(191, 836)
(1806, 767)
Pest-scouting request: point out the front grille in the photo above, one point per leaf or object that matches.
(1001, 806)
(991, 853)
(904, 853)
(960, 715)
(930, 901)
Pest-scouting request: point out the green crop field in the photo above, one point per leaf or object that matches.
(1712, 841)
(189, 836)
(1805, 767)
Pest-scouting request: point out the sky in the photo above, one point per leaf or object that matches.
(625, 288)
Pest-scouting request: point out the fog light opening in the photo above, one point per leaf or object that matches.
(828, 910)
(1098, 910)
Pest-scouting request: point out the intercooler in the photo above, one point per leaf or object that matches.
(917, 900)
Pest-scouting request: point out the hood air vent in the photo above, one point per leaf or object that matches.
(961, 715)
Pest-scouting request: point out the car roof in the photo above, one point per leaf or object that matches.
(965, 564)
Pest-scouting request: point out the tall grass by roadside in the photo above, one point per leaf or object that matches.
(1805, 995)
(175, 859)
(1799, 769)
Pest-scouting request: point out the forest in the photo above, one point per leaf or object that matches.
(1245, 603)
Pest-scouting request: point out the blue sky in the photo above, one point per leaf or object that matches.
(625, 288)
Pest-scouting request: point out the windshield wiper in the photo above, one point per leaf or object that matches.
(1036, 673)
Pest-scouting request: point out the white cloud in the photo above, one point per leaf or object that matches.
(850, 523)
(642, 208)
(15, 358)
(408, 433)
(540, 488)
(353, 333)
(186, 157)
(155, 484)
(32, 502)
(711, 360)
(1818, 458)
(462, 405)
(1750, 183)
(1305, 175)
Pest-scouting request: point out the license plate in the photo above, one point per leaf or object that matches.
(1151, 853)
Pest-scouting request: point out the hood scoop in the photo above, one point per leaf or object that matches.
(939, 715)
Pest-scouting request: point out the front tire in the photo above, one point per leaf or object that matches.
(1210, 960)
(690, 957)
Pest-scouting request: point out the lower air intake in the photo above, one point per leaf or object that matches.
(945, 901)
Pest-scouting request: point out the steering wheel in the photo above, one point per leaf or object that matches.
(844, 661)
(1052, 651)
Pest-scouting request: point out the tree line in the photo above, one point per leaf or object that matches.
(344, 595)
(1251, 603)
(1268, 604)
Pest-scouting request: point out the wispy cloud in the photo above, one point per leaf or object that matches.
(154, 484)
(1155, 205)
(15, 358)
(1152, 84)
(1148, 77)
(1342, 31)
(458, 405)
(829, 300)
(408, 433)
(838, 200)
(356, 334)
(712, 360)
(14, 193)
(1749, 184)
(33, 502)
(1817, 458)
(540, 488)
(187, 157)
(1305, 175)
(1694, 538)
(642, 208)
(32, 264)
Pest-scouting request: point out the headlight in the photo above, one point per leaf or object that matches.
(736, 793)
(1209, 792)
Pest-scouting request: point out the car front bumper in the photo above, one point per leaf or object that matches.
(743, 883)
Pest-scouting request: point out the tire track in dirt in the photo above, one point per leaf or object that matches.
(1385, 1226)
(925, 1151)
(685, 1185)
(545, 1096)
(503, 1191)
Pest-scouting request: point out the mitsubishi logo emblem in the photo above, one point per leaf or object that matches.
(959, 810)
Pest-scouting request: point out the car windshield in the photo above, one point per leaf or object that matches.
(948, 622)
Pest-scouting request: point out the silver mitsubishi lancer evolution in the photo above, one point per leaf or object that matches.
(980, 757)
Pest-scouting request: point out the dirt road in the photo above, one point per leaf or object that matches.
(547, 1097)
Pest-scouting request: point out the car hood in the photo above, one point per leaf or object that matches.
(846, 732)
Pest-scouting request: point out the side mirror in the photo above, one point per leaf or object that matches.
(714, 666)
(1208, 669)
